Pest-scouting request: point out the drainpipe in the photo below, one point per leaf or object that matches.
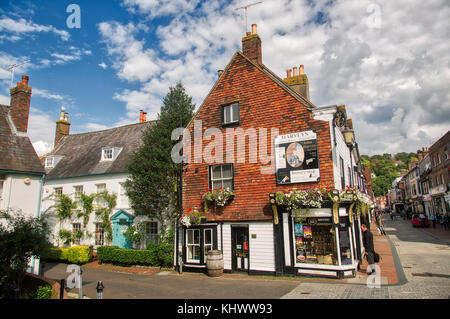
(41, 182)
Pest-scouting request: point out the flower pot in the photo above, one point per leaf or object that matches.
(214, 263)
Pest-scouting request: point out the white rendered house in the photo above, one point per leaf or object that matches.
(89, 163)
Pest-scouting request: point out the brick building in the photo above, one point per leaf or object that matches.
(247, 109)
(439, 176)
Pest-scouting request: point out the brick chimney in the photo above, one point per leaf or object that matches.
(251, 46)
(62, 126)
(299, 81)
(20, 104)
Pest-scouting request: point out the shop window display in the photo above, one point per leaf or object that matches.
(314, 242)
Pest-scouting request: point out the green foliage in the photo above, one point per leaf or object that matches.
(66, 236)
(73, 255)
(44, 292)
(64, 206)
(21, 237)
(104, 212)
(159, 255)
(153, 184)
(386, 169)
(87, 207)
(135, 234)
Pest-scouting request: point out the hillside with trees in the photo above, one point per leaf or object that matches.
(386, 168)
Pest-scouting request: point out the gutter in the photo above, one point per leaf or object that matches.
(41, 184)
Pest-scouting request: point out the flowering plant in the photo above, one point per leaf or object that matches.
(134, 234)
(191, 216)
(296, 198)
(217, 197)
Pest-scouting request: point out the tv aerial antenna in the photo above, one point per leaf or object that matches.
(245, 9)
(11, 69)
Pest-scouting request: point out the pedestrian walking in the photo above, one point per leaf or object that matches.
(380, 225)
(369, 250)
(433, 220)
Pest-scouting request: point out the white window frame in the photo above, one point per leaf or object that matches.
(152, 237)
(100, 238)
(49, 162)
(76, 192)
(210, 245)
(76, 228)
(234, 113)
(105, 154)
(221, 179)
(192, 245)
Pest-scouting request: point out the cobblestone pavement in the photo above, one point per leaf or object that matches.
(423, 268)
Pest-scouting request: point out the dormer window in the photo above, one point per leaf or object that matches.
(52, 160)
(110, 153)
(49, 162)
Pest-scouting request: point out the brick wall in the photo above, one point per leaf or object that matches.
(263, 104)
(20, 104)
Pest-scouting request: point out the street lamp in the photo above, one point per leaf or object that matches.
(348, 138)
(100, 290)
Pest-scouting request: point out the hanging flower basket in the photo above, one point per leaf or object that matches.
(217, 198)
(191, 217)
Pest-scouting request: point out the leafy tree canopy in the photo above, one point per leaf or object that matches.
(153, 184)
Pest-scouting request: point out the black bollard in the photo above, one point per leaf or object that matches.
(62, 284)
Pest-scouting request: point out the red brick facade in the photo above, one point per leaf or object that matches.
(263, 103)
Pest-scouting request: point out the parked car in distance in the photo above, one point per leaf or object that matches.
(420, 222)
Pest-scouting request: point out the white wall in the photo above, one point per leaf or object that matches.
(340, 150)
(17, 195)
(89, 183)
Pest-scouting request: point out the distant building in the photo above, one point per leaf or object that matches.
(21, 172)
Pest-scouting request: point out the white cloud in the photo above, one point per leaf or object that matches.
(387, 62)
(103, 65)
(41, 130)
(156, 8)
(23, 26)
(47, 95)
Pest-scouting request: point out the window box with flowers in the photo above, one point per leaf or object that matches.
(191, 217)
(217, 198)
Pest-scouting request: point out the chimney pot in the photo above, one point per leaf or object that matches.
(254, 29)
(302, 69)
(25, 79)
(248, 33)
(288, 73)
(295, 71)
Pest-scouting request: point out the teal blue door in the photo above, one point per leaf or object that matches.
(119, 238)
(121, 221)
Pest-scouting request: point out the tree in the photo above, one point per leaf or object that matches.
(21, 238)
(153, 184)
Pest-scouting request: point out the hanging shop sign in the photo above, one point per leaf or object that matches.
(296, 158)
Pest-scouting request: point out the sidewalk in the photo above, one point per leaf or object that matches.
(389, 274)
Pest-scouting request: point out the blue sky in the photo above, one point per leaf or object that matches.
(387, 61)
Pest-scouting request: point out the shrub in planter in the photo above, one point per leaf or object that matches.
(79, 254)
(73, 255)
(44, 292)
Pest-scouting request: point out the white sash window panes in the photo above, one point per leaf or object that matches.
(193, 245)
(222, 176)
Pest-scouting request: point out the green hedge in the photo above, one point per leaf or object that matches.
(158, 255)
(73, 255)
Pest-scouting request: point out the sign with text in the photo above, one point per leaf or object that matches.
(296, 158)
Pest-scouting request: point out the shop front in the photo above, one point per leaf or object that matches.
(324, 241)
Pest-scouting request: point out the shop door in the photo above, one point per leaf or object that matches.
(240, 248)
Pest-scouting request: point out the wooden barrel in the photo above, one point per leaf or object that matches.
(214, 263)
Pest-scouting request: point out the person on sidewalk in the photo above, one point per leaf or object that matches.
(433, 220)
(446, 221)
(369, 250)
(381, 223)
